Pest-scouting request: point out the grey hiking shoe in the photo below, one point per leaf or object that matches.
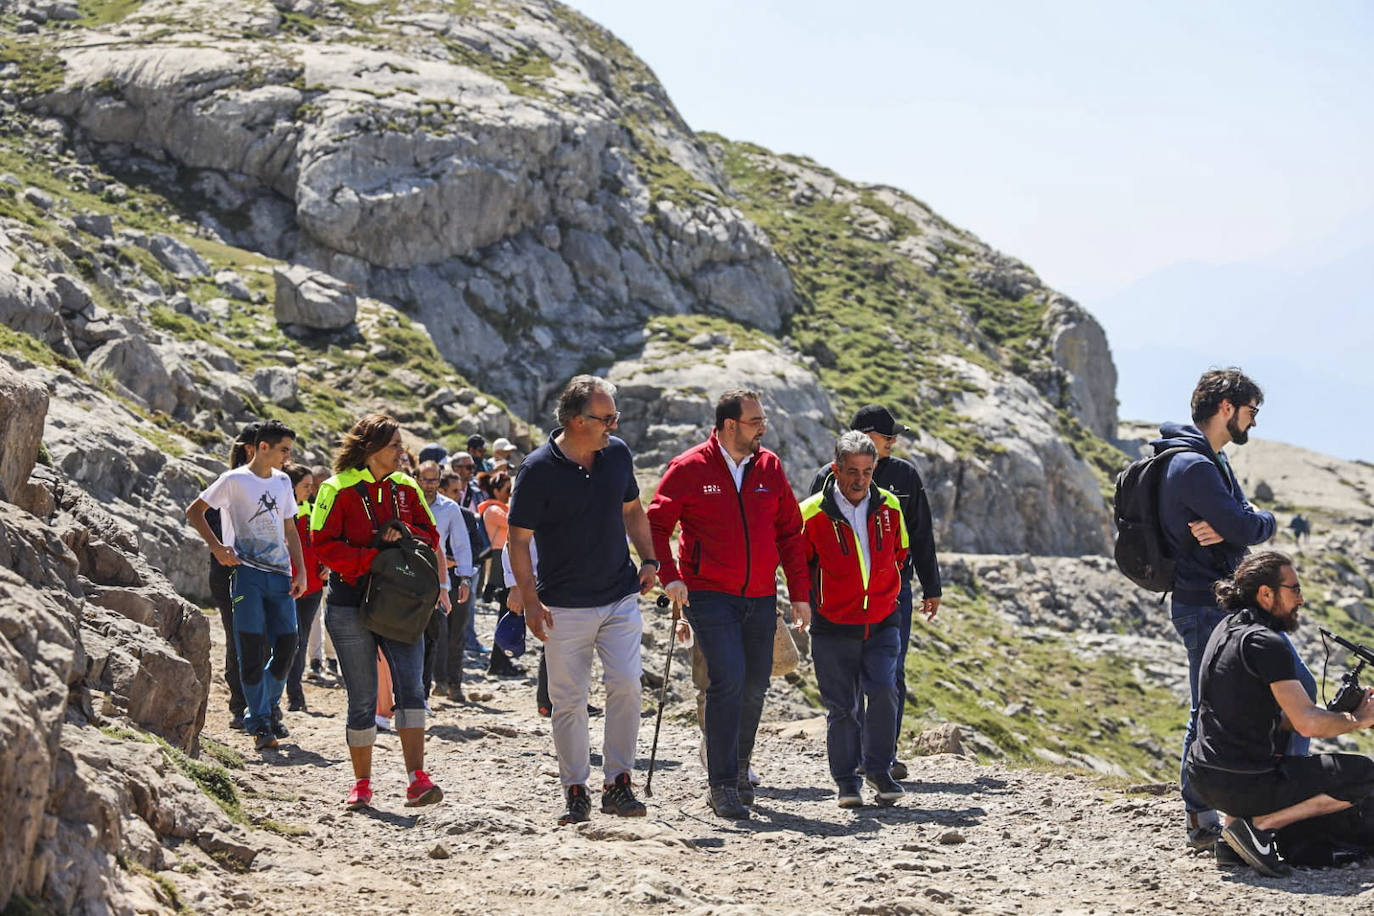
(619, 798)
(1203, 836)
(1256, 847)
(899, 770)
(579, 809)
(887, 790)
(724, 800)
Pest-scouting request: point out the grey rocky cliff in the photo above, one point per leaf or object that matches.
(91, 638)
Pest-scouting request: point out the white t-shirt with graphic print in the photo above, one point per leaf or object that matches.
(252, 509)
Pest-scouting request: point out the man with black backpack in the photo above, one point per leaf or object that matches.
(1207, 526)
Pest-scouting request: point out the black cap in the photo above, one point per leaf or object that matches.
(433, 452)
(476, 440)
(874, 418)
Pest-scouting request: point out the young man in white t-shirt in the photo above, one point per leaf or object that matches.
(257, 509)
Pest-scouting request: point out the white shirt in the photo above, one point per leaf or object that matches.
(453, 532)
(857, 516)
(252, 511)
(737, 470)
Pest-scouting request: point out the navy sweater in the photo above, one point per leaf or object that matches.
(1196, 487)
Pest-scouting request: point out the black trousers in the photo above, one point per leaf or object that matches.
(1348, 777)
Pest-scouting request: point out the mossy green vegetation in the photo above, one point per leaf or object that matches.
(677, 330)
(1027, 690)
(210, 778)
(36, 351)
(97, 13)
(1105, 459)
(40, 70)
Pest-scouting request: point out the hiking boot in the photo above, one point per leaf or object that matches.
(1203, 836)
(579, 809)
(887, 790)
(361, 796)
(455, 693)
(423, 791)
(263, 739)
(316, 667)
(745, 789)
(279, 730)
(1256, 847)
(849, 797)
(296, 706)
(333, 665)
(501, 666)
(1226, 856)
(899, 770)
(619, 799)
(724, 800)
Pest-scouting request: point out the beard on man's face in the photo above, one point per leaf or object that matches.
(1238, 436)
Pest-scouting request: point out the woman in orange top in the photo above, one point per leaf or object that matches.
(493, 511)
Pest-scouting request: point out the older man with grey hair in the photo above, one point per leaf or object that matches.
(576, 499)
(856, 545)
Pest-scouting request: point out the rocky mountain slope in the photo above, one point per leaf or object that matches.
(310, 209)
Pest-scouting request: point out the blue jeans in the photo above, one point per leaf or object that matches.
(736, 639)
(1195, 624)
(356, 647)
(265, 635)
(850, 670)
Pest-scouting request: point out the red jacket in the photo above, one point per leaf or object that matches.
(341, 530)
(848, 591)
(732, 540)
(314, 580)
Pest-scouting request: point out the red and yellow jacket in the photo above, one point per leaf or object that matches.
(314, 574)
(341, 531)
(848, 594)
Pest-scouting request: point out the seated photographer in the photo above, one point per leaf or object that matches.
(1249, 697)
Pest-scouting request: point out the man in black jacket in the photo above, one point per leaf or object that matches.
(900, 477)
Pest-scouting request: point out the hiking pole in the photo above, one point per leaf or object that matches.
(663, 601)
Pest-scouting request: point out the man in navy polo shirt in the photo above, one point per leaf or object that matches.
(577, 498)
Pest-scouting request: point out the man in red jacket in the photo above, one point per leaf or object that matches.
(856, 546)
(739, 521)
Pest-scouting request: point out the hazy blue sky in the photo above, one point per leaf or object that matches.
(1198, 175)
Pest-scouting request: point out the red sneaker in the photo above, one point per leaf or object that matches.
(423, 791)
(361, 796)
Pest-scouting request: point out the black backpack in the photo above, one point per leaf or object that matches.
(403, 585)
(1141, 550)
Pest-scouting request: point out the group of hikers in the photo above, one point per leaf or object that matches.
(559, 527)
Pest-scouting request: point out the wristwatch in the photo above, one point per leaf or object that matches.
(644, 563)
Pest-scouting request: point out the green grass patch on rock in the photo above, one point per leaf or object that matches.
(210, 778)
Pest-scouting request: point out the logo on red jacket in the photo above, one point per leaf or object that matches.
(710, 489)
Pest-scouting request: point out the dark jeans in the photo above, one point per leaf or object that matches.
(1347, 777)
(448, 664)
(237, 704)
(850, 670)
(736, 638)
(436, 645)
(904, 616)
(306, 608)
(1195, 624)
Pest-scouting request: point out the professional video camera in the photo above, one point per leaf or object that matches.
(1351, 694)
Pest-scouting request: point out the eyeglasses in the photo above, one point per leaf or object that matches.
(611, 419)
(760, 422)
(1254, 410)
(429, 480)
(1296, 588)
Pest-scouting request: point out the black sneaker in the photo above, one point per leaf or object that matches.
(579, 806)
(1226, 856)
(887, 790)
(849, 796)
(236, 722)
(899, 770)
(263, 739)
(297, 705)
(724, 800)
(333, 665)
(1256, 847)
(619, 799)
(745, 789)
(279, 730)
(316, 667)
(501, 666)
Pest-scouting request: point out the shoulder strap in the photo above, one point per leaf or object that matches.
(361, 487)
